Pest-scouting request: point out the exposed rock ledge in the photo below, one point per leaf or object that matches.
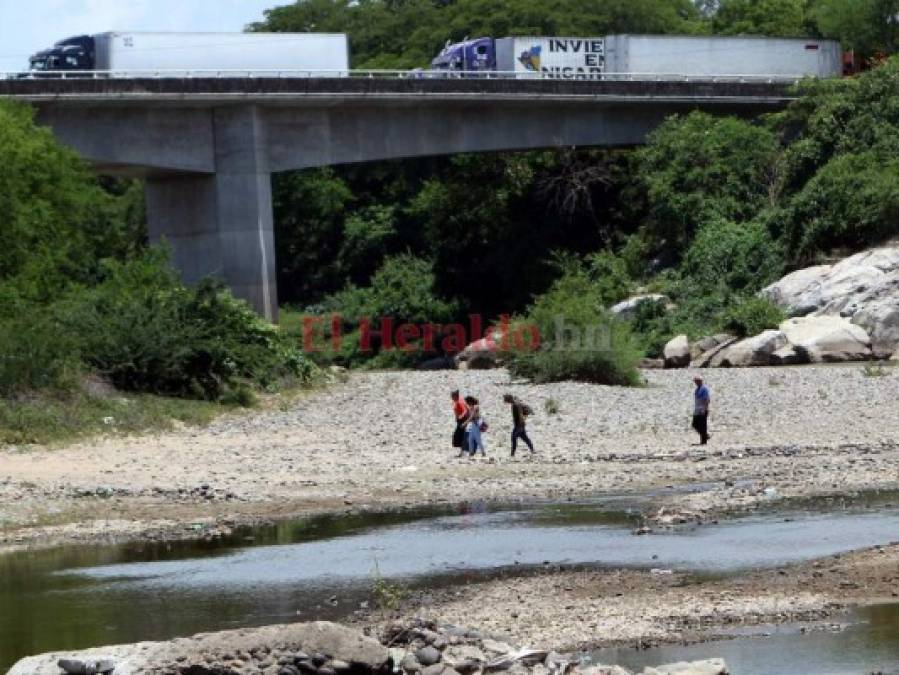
(323, 648)
(863, 288)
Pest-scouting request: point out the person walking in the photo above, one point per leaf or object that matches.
(520, 412)
(461, 414)
(475, 441)
(701, 400)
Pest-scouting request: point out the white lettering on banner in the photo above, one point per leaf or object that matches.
(561, 58)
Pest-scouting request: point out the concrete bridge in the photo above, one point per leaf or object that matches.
(207, 146)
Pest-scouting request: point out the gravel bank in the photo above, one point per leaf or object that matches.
(382, 440)
(586, 609)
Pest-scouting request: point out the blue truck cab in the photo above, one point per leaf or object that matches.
(74, 53)
(469, 56)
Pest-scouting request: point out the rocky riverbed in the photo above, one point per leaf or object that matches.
(583, 609)
(382, 440)
(418, 647)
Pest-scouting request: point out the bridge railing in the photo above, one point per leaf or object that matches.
(417, 74)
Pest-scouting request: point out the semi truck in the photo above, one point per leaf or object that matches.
(594, 58)
(251, 53)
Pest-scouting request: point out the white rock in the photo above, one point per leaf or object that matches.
(677, 352)
(863, 288)
(880, 318)
(604, 670)
(820, 339)
(626, 309)
(707, 667)
(753, 351)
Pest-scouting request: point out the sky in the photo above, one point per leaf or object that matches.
(27, 26)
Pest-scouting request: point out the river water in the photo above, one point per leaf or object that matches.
(314, 568)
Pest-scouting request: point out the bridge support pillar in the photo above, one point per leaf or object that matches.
(221, 225)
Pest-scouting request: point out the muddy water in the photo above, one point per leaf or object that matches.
(324, 567)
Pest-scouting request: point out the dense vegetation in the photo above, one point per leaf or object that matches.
(81, 295)
(706, 213)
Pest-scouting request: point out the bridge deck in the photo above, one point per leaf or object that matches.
(272, 89)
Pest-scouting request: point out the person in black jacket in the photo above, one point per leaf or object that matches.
(520, 412)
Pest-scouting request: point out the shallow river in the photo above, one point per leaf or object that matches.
(323, 567)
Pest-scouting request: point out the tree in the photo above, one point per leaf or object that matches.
(700, 168)
(870, 27)
(56, 222)
(760, 17)
(391, 34)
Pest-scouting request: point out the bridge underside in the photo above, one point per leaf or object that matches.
(208, 155)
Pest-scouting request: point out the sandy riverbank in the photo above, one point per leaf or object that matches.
(382, 440)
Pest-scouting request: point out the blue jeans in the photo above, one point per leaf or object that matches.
(474, 438)
(519, 432)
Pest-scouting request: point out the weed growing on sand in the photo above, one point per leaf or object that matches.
(388, 595)
(775, 381)
(875, 370)
(551, 406)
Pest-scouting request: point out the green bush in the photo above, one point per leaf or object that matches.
(609, 273)
(146, 332)
(653, 326)
(402, 290)
(852, 202)
(700, 168)
(731, 257)
(35, 353)
(751, 316)
(579, 340)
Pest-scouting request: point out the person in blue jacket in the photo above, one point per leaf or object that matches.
(701, 400)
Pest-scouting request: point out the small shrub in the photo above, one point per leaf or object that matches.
(728, 257)
(551, 406)
(875, 370)
(388, 595)
(751, 316)
(579, 340)
(35, 353)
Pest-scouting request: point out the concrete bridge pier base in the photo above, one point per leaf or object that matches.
(221, 225)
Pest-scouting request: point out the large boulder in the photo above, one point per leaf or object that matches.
(211, 651)
(677, 352)
(880, 319)
(711, 347)
(826, 339)
(753, 351)
(863, 288)
(627, 309)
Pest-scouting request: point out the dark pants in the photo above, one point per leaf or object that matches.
(701, 424)
(519, 432)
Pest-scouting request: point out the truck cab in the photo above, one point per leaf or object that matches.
(469, 57)
(74, 53)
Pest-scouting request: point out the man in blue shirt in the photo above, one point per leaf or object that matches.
(701, 401)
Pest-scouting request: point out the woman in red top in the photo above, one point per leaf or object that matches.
(462, 415)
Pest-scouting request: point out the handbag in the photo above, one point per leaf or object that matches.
(483, 426)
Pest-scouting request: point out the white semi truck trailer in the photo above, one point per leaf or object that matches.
(257, 54)
(659, 56)
(721, 56)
